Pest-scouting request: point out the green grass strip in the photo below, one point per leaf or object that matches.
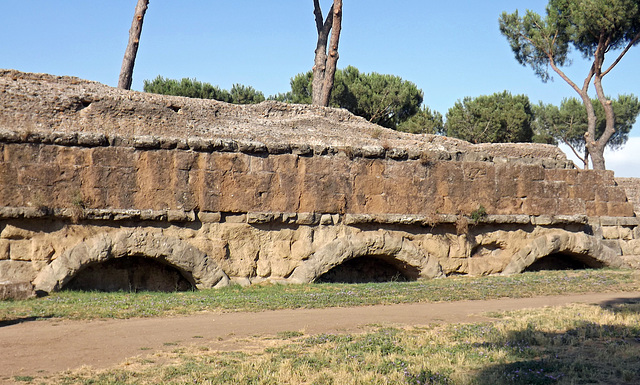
(92, 305)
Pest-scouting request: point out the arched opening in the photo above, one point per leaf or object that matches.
(370, 269)
(565, 261)
(129, 273)
(136, 259)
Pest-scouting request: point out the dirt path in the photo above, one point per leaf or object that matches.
(49, 346)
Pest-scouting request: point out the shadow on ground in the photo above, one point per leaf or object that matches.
(17, 321)
(588, 353)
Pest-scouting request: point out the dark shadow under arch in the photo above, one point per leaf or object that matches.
(129, 273)
(194, 265)
(366, 269)
(565, 261)
(401, 254)
(562, 247)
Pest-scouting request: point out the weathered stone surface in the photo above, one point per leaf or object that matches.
(578, 244)
(415, 262)
(208, 217)
(16, 290)
(194, 264)
(17, 271)
(279, 192)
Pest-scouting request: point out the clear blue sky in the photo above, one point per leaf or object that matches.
(449, 49)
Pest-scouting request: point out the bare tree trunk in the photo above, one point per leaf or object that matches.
(324, 67)
(126, 73)
(332, 59)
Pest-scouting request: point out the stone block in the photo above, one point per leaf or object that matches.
(16, 290)
(539, 206)
(373, 152)
(21, 250)
(235, 218)
(302, 149)
(628, 221)
(113, 156)
(257, 218)
(180, 216)
(307, 219)
(4, 249)
(326, 219)
(209, 217)
(146, 142)
(14, 232)
(625, 233)
(397, 153)
(277, 148)
(567, 206)
(617, 209)
(542, 220)
(610, 232)
(153, 215)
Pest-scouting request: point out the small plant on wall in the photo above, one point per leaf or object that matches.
(478, 214)
(77, 207)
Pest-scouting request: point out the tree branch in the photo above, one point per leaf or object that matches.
(574, 151)
(318, 15)
(631, 44)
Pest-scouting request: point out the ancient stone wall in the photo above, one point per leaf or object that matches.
(96, 181)
(632, 189)
(57, 171)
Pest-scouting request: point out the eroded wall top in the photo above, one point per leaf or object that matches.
(66, 142)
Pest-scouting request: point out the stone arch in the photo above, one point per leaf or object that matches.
(343, 249)
(587, 247)
(201, 271)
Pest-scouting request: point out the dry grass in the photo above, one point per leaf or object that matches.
(563, 345)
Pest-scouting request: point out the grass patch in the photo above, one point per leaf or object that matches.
(92, 305)
(561, 345)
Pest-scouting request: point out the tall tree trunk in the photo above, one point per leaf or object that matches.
(609, 130)
(126, 73)
(332, 58)
(324, 67)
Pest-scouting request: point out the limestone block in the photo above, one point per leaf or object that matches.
(436, 246)
(454, 266)
(628, 221)
(16, 290)
(17, 271)
(235, 218)
(486, 265)
(263, 267)
(459, 246)
(302, 244)
(209, 217)
(326, 219)
(625, 233)
(13, 232)
(307, 219)
(257, 218)
(630, 247)
(180, 216)
(21, 250)
(614, 245)
(373, 151)
(619, 209)
(4, 249)
(289, 218)
(610, 232)
(42, 253)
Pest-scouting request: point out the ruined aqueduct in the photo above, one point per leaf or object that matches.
(108, 189)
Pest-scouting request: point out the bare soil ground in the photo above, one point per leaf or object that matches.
(41, 347)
